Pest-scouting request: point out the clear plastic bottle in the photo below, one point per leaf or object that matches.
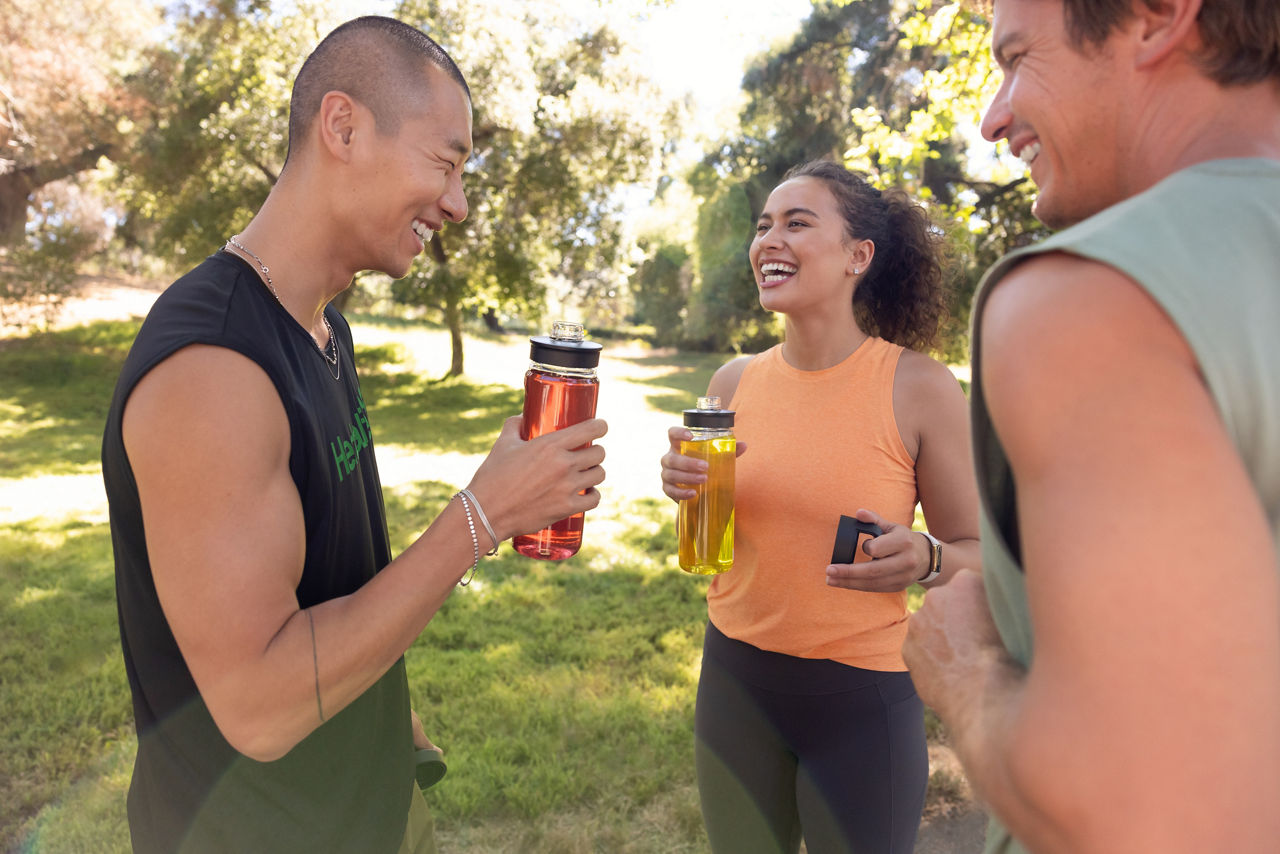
(704, 526)
(560, 389)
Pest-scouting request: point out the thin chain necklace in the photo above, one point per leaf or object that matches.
(330, 353)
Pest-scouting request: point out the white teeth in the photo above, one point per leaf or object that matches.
(424, 233)
(774, 271)
(1029, 152)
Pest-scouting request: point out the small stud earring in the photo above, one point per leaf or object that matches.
(857, 270)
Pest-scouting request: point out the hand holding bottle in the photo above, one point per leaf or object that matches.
(560, 389)
(525, 485)
(704, 523)
(681, 474)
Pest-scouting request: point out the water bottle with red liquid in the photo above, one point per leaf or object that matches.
(559, 390)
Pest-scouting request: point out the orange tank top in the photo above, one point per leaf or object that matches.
(819, 444)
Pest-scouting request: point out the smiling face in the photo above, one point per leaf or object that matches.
(410, 181)
(1061, 108)
(801, 256)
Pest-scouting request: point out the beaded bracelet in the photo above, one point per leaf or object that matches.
(483, 519)
(475, 541)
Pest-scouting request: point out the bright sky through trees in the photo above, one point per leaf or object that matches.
(695, 46)
(701, 46)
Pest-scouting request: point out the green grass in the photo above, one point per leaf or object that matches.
(431, 415)
(681, 380)
(562, 693)
(54, 391)
(62, 682)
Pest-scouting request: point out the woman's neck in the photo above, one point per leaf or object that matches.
(812, 344)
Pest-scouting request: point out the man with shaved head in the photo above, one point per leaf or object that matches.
(262, 617)
(1112, 679)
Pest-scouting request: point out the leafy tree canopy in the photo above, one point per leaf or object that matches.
(564, 120)
(63, 101)
(889, 88)
(216, 126)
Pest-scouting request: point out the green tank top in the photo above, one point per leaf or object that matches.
(1205, 245)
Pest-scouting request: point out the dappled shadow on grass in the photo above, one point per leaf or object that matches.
(55, 389)
(389, 321)
(553, 685)
(654, 532)
(411, 509)
(62, 681)
(681, 377)
(415, 323)
(429, 414)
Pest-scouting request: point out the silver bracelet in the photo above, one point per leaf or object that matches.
(484, 520)
(475, 541)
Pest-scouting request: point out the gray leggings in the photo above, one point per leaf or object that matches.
(788, 746)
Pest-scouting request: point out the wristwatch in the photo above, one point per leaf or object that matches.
(935, 559)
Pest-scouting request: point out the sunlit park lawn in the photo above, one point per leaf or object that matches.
(562, 693)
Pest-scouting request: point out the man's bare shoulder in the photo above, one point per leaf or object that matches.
(203, 397)
(1063, 303)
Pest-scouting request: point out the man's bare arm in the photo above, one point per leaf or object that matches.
(208, 441)
(1148, 720)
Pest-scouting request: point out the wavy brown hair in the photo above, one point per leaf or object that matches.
(903, 294)
(1241, 37)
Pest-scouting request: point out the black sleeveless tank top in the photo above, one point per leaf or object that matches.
(346, 786)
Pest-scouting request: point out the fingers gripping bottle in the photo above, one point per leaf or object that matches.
(704, 524)
(559, 390)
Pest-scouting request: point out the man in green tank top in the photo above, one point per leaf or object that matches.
(1111, 681)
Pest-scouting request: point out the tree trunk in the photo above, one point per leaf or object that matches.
(452, 308)
(17, 185)
(13, 209)
(491, 320)
(453, 317)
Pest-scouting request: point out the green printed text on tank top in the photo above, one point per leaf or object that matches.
(346, 450)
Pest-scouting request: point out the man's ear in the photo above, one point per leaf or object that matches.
(337, 124)
(1162, 27)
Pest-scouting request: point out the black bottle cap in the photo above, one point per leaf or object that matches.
(564, 347)
(430, 767)
(847, 533)
(709, 414)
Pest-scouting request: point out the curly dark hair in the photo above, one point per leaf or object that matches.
(903, 294)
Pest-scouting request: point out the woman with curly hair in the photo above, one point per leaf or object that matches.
(807, 722)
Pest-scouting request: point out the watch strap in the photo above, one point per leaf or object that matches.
(935, 558)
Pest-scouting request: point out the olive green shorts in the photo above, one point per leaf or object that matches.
(420, 832)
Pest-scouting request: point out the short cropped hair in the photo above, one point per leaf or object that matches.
(379, 62)
(1241, 37)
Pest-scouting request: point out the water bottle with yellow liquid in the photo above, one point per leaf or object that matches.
(704, 524)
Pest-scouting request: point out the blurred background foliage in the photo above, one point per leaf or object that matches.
(136, 137)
